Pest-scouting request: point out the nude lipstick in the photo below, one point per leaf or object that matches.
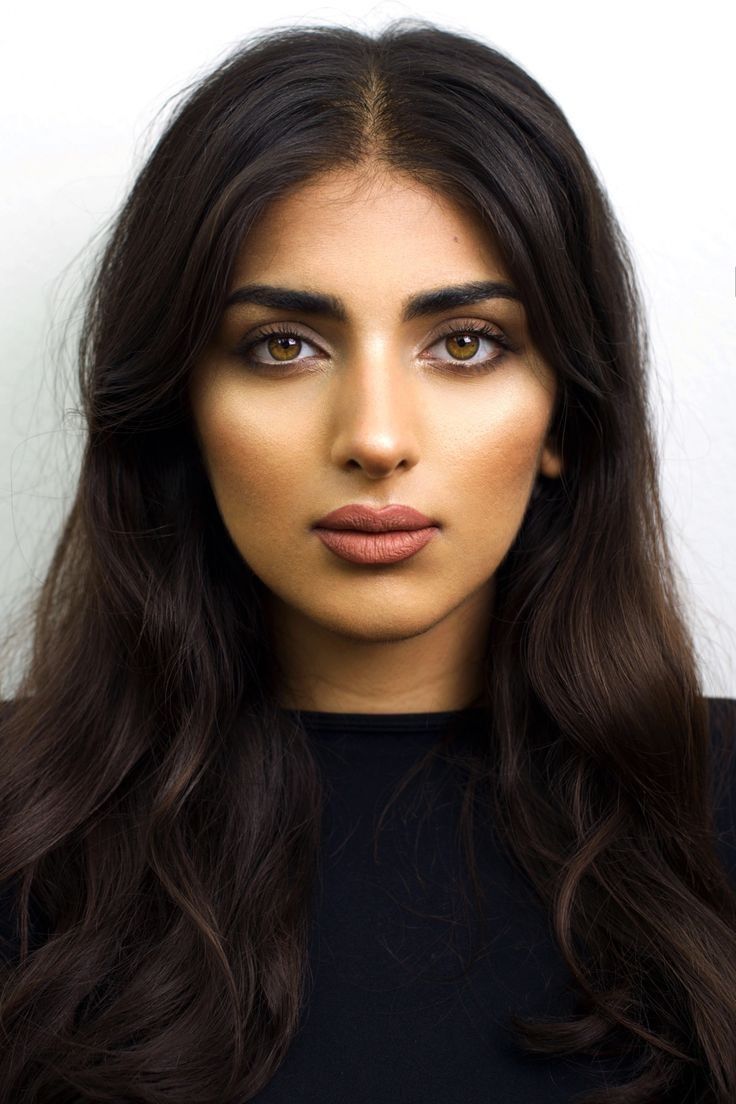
(363, 534)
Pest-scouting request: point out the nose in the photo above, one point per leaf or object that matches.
(373, 421)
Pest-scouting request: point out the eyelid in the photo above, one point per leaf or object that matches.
(447, 326)
(258, 333)
(451, 325)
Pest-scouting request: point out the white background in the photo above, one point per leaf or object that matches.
(648, 88)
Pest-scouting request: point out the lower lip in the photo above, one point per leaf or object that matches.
(376, 548)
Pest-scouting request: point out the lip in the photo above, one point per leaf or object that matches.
(376, 547)
(368, 519)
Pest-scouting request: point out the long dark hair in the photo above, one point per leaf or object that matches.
(160, 808)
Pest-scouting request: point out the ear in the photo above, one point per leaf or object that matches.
(550, 463)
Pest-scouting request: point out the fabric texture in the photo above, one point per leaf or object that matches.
(394, 1012)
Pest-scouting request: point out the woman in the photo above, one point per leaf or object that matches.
(368, 506)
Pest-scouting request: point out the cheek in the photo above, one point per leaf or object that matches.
(491, 483)
(496, 450)
(250, 463)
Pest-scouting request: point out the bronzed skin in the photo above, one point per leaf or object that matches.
(374, 410)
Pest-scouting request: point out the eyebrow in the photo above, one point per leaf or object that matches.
(423, 303)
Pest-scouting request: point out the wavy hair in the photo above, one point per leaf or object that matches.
(160, 808)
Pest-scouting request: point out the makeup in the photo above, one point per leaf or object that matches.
(376, 548)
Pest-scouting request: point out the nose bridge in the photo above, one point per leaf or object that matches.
(375, 405)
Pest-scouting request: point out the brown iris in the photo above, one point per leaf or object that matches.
(278, 342)
(459, 340)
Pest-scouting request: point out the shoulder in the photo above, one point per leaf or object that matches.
(722, 727)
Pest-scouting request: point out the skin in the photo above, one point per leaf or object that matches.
(373, 410)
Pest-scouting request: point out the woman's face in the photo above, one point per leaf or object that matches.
(382, 405)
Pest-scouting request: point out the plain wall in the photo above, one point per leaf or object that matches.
(649, 91)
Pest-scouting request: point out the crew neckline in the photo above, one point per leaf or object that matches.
(381, 722)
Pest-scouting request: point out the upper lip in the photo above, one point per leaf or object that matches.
(372, 520)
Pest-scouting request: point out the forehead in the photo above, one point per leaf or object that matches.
(352, 224)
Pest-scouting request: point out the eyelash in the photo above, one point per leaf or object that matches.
(488, 365)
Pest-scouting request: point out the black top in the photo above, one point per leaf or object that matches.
(395, 1010)
(391, 1016)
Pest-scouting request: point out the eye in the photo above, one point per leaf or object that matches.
(281, 344)
(466, 341)
(462, 341)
